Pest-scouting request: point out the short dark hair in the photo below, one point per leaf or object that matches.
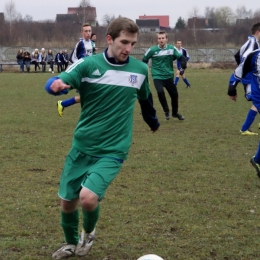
(85, 25)
(163, 32)
(255, 28)
(121, 24)
(92, 34)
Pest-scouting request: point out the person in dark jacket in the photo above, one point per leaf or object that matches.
(59, 60)
(66, 59)
(19, 58)
(27, 60)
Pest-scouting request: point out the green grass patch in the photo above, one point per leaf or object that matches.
(185, 192)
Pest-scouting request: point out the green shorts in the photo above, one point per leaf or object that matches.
(82, 170)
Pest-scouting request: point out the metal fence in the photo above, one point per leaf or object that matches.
(8, 54)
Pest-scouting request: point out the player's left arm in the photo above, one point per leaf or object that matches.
(183, 62)
(149, 113)
(186, 54)
(145, 99)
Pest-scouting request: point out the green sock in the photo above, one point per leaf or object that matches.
(90, 219)
(70, 223)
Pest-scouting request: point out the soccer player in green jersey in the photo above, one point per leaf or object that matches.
(162, 56)
(109, 84)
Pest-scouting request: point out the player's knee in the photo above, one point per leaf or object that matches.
(88, 199)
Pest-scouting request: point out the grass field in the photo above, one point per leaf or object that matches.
(186, 192)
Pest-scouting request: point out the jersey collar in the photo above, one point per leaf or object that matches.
(113, 60)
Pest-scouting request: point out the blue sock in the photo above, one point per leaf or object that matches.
(257, 155)
(68, 102)
(249, 120)
(176, 80)
(186, 82)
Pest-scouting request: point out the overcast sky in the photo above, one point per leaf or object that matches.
(47, 9)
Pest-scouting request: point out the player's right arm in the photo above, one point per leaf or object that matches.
(80, 52)
(55, 86)
(147, 56)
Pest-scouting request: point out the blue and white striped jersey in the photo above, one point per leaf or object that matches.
(251, 45)
(184, 53)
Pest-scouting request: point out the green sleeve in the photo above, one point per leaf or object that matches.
(144, 91)
(73, 75)
(147, 55)
(176, 54)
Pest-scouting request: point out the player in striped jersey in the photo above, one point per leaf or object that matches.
(251, 75)
(251, 45)
(109, 84)
(83, 48)
(180, 71)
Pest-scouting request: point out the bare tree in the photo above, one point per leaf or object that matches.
(242, 13)
(224, 16)
(84, 3)
(11, 14)
(194, 12)
(82, 15)
(28, 18)
(107, 19)
(210, 12)
(256, 13)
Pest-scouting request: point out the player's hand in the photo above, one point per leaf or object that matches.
(58, 86)
(233, 98)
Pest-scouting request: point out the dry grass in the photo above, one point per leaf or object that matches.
(187, 192)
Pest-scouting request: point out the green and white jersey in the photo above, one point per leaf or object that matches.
(162, 61)
(108, 93)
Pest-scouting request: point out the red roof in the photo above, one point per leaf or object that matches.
(164, 20)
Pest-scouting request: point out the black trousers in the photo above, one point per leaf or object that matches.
(60, 67)
(169, 85)
(51, 64)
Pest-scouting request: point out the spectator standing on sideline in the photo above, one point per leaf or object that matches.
(19, 58)
(180, 71)
(109, 84)
(93, 39)
(66, 59)
(251, 45)
(83, 48)
(50, 60)
(162, 56)
(35, 59)
(27, 60)
(59, 59)
(42, 59)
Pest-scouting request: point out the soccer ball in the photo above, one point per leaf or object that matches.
(150, 257)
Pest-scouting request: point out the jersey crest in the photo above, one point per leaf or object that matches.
(133, 79)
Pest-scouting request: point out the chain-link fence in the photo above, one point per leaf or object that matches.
(8, 54)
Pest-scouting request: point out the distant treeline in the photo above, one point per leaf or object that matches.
(48, 34)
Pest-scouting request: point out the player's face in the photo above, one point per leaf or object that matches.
(257, 35)
(86, 32)
(162, 40)
(178, 44)
(121, 47)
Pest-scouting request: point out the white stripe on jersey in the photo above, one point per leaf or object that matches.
(118, 78)
(163, 53)
(74, 65)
